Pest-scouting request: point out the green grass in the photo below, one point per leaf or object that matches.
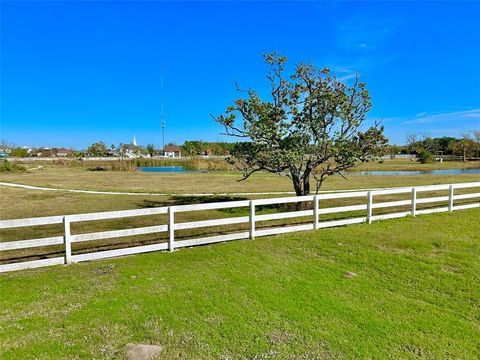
(416, 296)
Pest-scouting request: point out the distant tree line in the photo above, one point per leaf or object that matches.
(189, 148)
(427, 147)
(467, 146)
(198, 147)
(424, 146)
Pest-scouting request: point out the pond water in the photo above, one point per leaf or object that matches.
(166, 169)
(175, 169)
(418, 172)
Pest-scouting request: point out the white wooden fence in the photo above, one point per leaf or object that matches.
(67, 239)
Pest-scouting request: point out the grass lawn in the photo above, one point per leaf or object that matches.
(415, 295)
(65, 177)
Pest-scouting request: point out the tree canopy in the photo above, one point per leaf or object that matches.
(309, 127)
(467, 146)
(198, 147)
(97, 149)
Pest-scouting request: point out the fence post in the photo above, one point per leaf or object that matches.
(315, 212)
(67, 240)
(450, 198)
(252, 220)
(414, 201)
(171, 228)
(369, 207)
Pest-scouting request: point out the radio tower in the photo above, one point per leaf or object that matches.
(163, 115)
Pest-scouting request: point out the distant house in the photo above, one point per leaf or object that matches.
(53, 152)
(131, 151)
(62, 152)
(172, 151)
(112, 153)
(42, 152)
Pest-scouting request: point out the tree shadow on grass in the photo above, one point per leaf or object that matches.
(242, 211)
(144, 204)
(188, 200)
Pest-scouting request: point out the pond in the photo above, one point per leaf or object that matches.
(417, 172)
(166, 169)
(181, 169)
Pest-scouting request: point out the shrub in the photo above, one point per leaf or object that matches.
(7, 167)
(425, 156)
(99, 168)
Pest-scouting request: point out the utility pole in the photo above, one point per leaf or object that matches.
(163, 116)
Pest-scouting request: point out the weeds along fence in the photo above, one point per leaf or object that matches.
(448, 203)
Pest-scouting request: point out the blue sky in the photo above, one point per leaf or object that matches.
(77, 72)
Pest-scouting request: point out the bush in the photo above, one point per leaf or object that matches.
(7, 167)
(99, 168)
(425, 157)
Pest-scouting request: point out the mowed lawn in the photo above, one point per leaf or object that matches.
(415, 295)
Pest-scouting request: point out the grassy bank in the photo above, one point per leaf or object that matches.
(415, 295)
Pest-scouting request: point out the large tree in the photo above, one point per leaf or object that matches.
(466, 147)
(97, 149)
(476, 136)
(310, 127)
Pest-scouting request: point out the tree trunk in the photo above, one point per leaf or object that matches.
(301, 185)
(297, 185)
(306, 184)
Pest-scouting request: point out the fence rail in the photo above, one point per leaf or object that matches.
(316, 211)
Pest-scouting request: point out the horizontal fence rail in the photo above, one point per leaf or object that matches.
(315, 211)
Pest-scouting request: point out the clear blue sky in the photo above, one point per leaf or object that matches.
(77, 72)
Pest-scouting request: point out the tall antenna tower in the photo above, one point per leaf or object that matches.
(163, 114)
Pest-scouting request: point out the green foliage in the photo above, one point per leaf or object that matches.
(151, 150)
(193, 148)
(7, 167)
(97, 149)
(19, 152)
(311, 126)
(467, 146)
(198, 147)
(424, 156)
(415, 296)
